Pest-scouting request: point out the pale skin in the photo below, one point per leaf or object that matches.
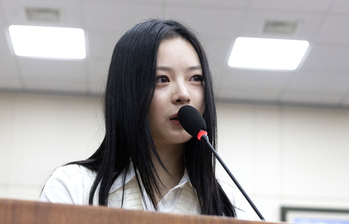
(179, 83)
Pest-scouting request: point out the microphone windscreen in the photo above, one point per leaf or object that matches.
(191, 120)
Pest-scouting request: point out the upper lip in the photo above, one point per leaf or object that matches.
(175, 116)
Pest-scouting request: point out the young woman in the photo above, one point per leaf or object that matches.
(147, 160)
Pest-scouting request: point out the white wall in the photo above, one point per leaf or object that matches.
(294, 156)
(287, 156)
(39, 133)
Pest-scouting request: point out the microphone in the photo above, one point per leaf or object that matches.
(193, 123)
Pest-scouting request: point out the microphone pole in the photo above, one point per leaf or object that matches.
(193, 123)
(205, 139)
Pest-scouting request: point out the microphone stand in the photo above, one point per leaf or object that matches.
(206, 140)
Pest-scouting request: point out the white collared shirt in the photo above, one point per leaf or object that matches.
(71, 184)
(169, 201)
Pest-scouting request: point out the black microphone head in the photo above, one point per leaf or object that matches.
(191, 120)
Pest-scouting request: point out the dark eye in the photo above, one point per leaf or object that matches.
(162, 79)
(197, 78)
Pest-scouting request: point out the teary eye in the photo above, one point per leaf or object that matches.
(162, 79)
(197, 78)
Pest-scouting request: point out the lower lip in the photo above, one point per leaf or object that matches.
(176, 122)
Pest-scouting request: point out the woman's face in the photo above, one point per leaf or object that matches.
(178, 82)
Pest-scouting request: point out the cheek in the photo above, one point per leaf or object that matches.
(152, 112)
(201, 101)
(155, 109)
(202, 108)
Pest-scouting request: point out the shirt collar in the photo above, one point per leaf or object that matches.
(184, 180)
(118, 183)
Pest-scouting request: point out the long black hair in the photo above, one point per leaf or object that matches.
(129, 92)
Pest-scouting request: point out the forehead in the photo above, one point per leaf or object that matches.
(177, 50)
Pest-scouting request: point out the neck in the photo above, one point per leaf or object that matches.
(172, 156)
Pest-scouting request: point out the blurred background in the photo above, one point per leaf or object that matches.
(283, 134)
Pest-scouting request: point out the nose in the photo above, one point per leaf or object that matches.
(181, 95)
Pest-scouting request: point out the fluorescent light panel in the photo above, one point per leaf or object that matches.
(261, 53)
(48, 42)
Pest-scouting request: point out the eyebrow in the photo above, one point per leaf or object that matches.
(195, 68)
(191, 68)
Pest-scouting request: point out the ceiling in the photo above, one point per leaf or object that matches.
(322, 78)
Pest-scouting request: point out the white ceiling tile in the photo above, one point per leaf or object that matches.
(118, 17)
(218, 50)
(322, 79)
(2, 22)
(254, 21)
(211, 3)
(98, 76)
(312, 97)
(207, 22)
(8, 67)
(218, 76)
(55, 85)
(255, 78)
(125, 1)
(4, 45)
(327, 82)
(240, 93)
(331, 59)
(10, 83)
(97, 89)
(298, 5)
(101, 44)
(9, 77)
(70, 17)
(98, 71)
(58, 69)
(341, 6)
(334, 30)
(346, 100)
(257, 85)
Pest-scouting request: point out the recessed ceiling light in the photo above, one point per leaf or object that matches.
(261, 53)
(48, 42)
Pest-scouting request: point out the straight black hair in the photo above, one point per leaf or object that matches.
(129, 92)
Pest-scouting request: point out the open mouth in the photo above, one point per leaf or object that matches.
(174, 119)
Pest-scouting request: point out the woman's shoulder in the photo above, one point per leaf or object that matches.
(68, 184)
(72, 173)
(72, 170)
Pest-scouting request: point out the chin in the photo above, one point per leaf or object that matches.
(184, 139)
